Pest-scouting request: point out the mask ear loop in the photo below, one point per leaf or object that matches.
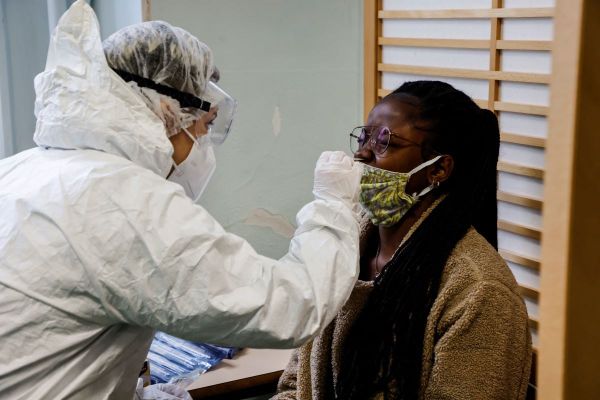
(204, 140)
(176, 169)
(194, 139)
(433, 185)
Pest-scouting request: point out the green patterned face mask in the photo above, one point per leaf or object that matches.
(383, 193)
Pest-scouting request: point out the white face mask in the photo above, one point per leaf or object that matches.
(197, 169)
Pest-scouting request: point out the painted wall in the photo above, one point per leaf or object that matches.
(23, 45)
(296, 69)
(4, 111)
(25, 27)
(116, 14)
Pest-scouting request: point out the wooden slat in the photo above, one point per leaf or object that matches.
(521, 108)
(466, 73)
(525, 261)
(469, 13)
(383, 92)
(532, 45)
(379, 56)
(371, 55)
(499, 106)
(529, 292)
(146, 10)
(519, 200)
(519, 229)
(503, 106)
(520, 169)
(495, 56)
(534, 324)
(481, 103)
(523, 139)
(439, 43)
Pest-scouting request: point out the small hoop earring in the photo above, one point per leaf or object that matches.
(436, 184)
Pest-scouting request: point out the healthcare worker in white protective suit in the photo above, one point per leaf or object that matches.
(98, 250)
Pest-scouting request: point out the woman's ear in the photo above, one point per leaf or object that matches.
(441, 170)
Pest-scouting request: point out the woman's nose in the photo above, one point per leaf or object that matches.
(365, 154)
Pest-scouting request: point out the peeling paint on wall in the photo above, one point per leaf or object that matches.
(278, 223)
(276, 121)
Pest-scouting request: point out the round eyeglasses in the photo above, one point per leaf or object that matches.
(377, 136)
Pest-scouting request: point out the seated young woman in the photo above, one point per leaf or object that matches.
(436, 313)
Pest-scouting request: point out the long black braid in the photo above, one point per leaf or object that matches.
(385, 347)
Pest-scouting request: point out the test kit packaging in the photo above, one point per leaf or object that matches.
(178, 361)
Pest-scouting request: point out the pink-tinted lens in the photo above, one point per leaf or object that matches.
(382, 139)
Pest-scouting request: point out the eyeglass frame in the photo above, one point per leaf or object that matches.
(373, 141)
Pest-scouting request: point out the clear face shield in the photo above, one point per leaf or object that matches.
(225, 107)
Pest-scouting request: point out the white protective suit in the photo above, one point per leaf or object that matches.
(98, 250)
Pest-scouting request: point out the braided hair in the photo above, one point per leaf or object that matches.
(385, 346)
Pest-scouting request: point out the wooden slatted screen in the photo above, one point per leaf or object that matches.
(500, 55)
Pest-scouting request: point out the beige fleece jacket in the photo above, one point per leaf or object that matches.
(477, 343)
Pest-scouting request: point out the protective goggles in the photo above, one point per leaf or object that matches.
(225, 111)
(214, 98)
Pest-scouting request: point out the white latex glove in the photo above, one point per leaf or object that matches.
(160, 391)
(337, 177)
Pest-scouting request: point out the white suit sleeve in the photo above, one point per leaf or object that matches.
(176, 270)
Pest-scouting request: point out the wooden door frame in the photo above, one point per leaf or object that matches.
(569, 358)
